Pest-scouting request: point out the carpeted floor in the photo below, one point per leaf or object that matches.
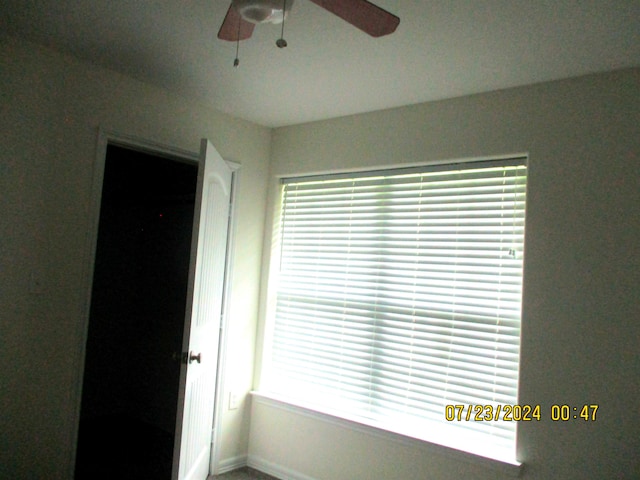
(244, 473)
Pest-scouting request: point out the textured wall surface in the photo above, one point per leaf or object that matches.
(50, 111)
(580, 326)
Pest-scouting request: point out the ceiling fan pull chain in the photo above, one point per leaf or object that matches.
(236, 61)
(281, 42)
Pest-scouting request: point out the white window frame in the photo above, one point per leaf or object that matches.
(441, 437)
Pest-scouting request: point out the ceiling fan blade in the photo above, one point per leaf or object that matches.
(234, 27)
(368, 17)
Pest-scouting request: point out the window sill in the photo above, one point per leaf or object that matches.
(510, 468)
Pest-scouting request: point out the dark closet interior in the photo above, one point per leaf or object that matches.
(131, 374)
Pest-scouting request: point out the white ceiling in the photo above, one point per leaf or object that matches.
(442, 49)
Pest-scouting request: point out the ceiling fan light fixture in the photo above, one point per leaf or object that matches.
(243, 15)
(262, 11)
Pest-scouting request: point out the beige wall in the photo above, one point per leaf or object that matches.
(581, 301)
(50, 109)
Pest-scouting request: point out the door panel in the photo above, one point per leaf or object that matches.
(202, 323)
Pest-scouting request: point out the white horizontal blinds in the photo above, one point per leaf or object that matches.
(400, 294)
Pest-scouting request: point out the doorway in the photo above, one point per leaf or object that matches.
(139, 291)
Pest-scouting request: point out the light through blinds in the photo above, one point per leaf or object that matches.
(399, 293)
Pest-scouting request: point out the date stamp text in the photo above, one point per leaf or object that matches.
(518, 413)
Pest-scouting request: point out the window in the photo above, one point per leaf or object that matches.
(398, 294)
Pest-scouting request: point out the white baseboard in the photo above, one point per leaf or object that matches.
(232, 463)
(274, 469)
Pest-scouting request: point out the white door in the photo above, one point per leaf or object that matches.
(202, 324)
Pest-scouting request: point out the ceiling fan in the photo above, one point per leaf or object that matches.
(242, 16)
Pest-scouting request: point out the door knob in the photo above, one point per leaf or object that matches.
(195, 358)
